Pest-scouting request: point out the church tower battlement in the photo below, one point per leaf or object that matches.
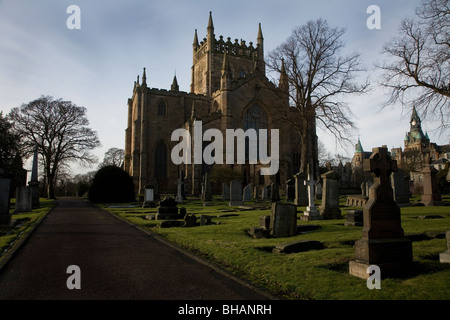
(208, 57)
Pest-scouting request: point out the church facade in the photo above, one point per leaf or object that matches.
(229, 90)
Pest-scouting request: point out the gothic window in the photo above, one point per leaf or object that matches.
(162, 108)
(160, 160)
(254, 118)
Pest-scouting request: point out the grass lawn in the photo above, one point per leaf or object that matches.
(318, 274)
(22, 223)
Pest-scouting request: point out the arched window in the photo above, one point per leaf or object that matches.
(254, 118)
(162, 108)
(160, 160)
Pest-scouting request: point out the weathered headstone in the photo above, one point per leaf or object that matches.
(311, 212)
(400, 186)
(247, 193)
(383, 242)
(274, 192)
(149, 197)
(290, 190)
(444, 257)
(23, 199)
(179, 198)
(225, 191)
(329, 208)
(283, 220)
(266, 192)
(301, 194)
(431, 195)
(5, 199)
(34, 183)
(354, 218)
(167, 209)
(236, 193)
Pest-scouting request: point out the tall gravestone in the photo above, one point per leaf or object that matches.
(225, 191)
(431, 195)
(290, 190)
(400, 186)
(5, 199)
(235, 193)
(179, 198)
(383, 242)
(274, 192)
(34, 183)
(330, 196)
(206, 190)
(301, 196)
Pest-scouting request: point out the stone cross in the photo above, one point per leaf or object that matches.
(311, 212)
(383, 242)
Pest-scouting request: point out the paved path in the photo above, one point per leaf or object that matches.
(117, 261)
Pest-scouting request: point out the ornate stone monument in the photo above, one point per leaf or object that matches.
(383, 242)
(311, 212)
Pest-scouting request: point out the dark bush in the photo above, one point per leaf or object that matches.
(112, 184)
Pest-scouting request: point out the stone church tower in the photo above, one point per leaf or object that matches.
(229, 90)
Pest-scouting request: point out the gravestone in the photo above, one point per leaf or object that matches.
(190, 220)
(444, 257)
(266, 192)
(167, 209)
(247, 193)
(5, 199)
(329, 208)
(400, 186)
(311, 212)
(319, 190)
(179, 198)
(149, 197)
(431, 195)
(283, 220)
(34, 183)
(301, 193)
(206, 188)
(225, 191)
(383, 242)
(290, 190)
(274, 192)
(235, 193)
(23, 199)
(354, 218)
(256, 192)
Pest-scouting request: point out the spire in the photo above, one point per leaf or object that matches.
(195, 43)
(225, 64)
(144, 79)
(284, 81)
(260, 36)
(226, 73)
(210, 21)
(174, 86)
(358, 147)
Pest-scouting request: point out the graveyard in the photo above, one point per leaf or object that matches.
(319, 268)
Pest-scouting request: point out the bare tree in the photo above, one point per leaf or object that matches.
(417, 72)
(60, 131)
(319, 78)
(114, 156)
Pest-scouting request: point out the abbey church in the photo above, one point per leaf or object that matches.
(229, 90)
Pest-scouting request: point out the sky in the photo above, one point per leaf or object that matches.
(96, 65)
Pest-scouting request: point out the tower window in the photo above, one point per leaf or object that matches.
(162, 109)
